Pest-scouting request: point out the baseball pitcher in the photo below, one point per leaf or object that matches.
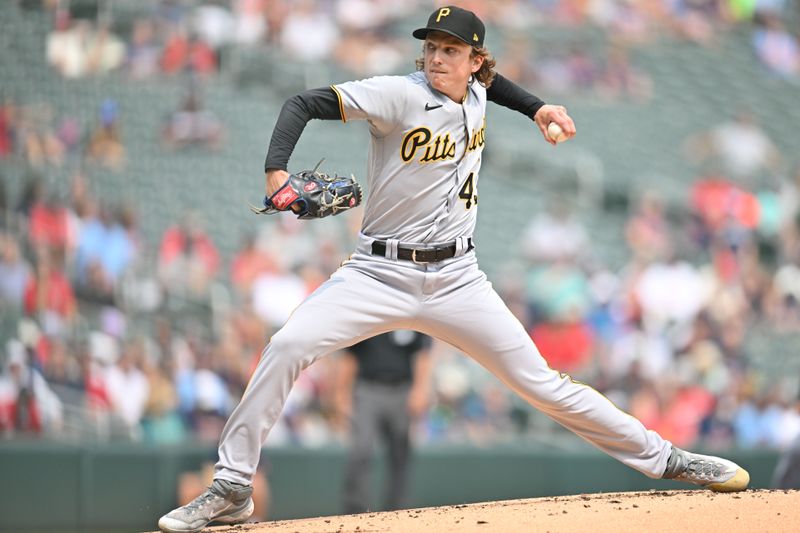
(414, 266)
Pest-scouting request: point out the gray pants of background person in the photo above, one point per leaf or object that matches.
(379, 410)
(787, 471)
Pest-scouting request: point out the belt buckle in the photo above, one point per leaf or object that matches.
(414, 257)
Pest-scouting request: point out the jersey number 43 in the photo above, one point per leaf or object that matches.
(469, 192)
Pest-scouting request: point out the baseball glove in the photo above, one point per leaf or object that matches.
(312, 194)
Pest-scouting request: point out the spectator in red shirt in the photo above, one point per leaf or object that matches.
(49, 291)
(566, 346)
(249, 263)
(8, 119)
(48, 225)
(27, 404)
(187, 258)
(182, 52)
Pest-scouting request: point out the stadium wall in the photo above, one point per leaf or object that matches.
(126, 488)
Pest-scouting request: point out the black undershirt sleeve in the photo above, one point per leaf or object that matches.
(508, 94)
(322, 103)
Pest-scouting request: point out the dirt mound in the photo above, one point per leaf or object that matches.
(663, 511)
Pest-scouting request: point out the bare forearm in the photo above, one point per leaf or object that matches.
(274, 179)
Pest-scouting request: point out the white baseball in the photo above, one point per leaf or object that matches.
(555, 132)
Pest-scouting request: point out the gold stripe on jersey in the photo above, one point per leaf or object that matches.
(341, 107)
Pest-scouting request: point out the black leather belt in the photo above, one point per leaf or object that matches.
(421, 255)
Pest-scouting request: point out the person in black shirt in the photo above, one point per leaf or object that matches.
(382, 386)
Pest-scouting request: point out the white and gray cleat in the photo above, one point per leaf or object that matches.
(223, 501)
(714, 473)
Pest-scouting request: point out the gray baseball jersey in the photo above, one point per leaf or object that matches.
(424, 159)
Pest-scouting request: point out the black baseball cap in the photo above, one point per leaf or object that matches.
(458, 22)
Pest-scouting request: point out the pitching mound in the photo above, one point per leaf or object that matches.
(663, 511)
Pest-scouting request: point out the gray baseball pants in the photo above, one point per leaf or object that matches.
(451, 300)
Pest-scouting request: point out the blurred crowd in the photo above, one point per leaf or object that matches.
(39, 135)
(368, 37)
(46, 138)
(109, 336)
(665, 337)
(107, 333)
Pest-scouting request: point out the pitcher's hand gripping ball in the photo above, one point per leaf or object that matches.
(555, 132)
(313, 194)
